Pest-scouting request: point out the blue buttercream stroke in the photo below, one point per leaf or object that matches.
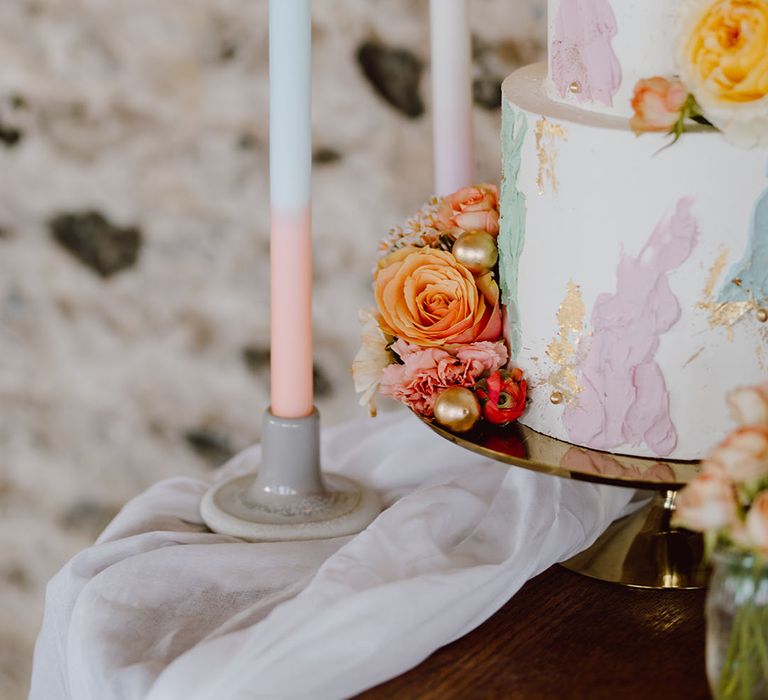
(514, 126)
(748, 279)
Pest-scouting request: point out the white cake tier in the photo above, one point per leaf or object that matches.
(633, 275)
(599, 49)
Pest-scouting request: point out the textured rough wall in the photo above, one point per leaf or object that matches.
(134, 239)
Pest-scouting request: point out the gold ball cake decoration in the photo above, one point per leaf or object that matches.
(457, 409)
(556, 397)
(575, 87)
(762, 314)
(476, 250)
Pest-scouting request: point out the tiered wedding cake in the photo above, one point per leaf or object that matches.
(634, 272)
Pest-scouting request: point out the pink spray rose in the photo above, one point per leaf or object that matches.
(471, 209)
(657, 104)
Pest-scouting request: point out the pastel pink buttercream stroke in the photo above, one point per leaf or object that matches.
(624, 398)
(582, 53)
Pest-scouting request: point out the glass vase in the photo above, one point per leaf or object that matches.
(737, 627)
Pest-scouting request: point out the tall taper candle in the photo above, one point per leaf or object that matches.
(453, 138)
(290, 169)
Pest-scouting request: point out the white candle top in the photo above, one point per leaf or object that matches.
(290, 91)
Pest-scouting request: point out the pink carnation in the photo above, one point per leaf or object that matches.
(484, 357)
(404, 349)
(426, 372)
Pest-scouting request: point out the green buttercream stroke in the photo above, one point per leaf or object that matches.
(514, 126)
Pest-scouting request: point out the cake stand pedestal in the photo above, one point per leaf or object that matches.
(641, 549)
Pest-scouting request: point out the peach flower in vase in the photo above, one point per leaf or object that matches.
(731, 490)
(749, 405)
(473, 208)
(707, 503)
(742, 457)
(757, 523)
(427, 298)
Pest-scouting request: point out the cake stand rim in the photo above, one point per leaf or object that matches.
(466, 441)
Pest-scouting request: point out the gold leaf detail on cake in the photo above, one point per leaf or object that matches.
(714, 272)
(563, 348)
(726, 313)
(547, 134)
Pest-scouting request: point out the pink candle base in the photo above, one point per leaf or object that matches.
(291, 310)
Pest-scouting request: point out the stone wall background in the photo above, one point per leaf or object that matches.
(134, 240)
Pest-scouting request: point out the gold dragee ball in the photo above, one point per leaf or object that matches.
(476, 250)
(762, 315)
(457, 409)
(556, 397)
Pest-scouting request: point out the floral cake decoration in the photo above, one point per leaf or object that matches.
(728, 500)
(728, 503)
(722, 63)
(435, 340)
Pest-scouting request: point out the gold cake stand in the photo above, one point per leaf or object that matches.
(641, 549)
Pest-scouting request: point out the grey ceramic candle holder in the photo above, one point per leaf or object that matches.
(288, 498)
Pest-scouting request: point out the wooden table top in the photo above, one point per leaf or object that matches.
(567, 636)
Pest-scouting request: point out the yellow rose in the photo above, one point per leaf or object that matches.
(426, 297)
(723, 61)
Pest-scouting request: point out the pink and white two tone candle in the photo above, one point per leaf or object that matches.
(453, 138)
(290, 170)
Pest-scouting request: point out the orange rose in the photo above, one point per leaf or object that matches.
(471, 209)
(425, 296)
(657, 104)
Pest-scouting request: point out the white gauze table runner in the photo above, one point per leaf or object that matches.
(160, 608)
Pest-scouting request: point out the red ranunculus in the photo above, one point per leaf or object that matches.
(503, 396)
